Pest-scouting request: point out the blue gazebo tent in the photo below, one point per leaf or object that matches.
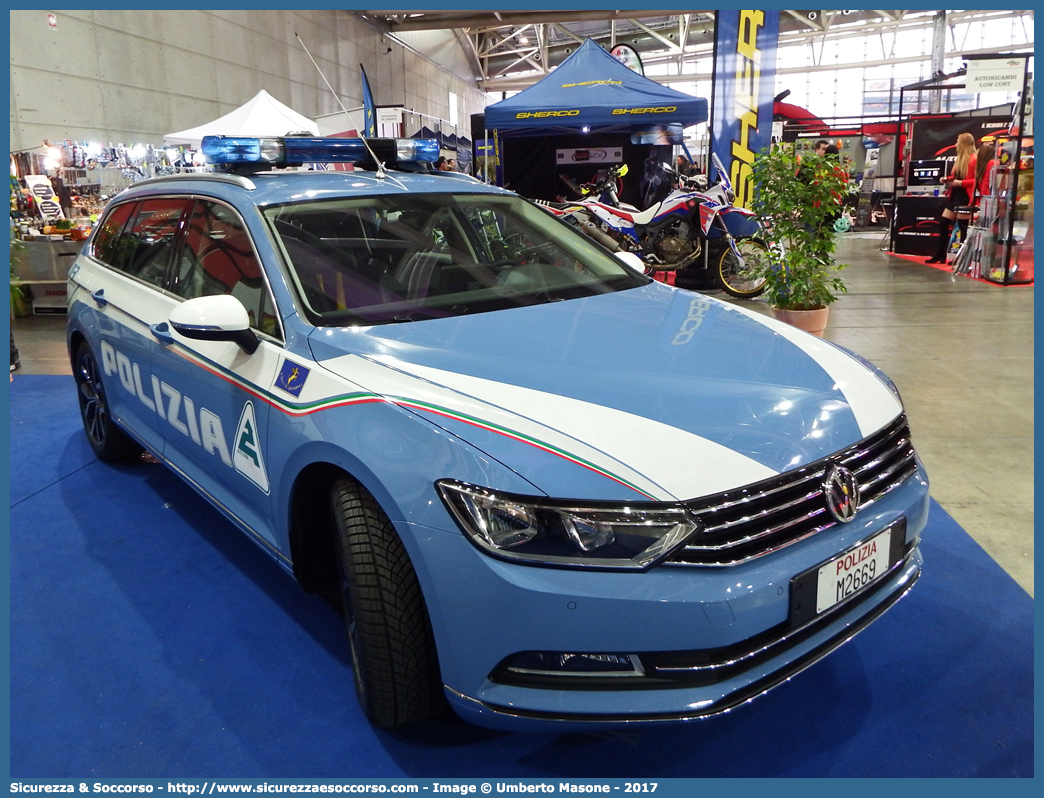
(592, 90)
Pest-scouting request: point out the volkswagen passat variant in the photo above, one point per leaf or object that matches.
(543, 489)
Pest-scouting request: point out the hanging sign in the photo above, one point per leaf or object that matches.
(590, 155)
(995, 74)
(389, 116)
(46, 200)
(629, 57)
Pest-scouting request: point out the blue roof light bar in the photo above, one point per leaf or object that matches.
(292, 151)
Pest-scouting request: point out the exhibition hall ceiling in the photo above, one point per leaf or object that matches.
(505, 45)
(510, 50)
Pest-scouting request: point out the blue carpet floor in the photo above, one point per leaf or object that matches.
(149, 638)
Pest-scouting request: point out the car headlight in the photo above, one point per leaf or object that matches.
(537, 531)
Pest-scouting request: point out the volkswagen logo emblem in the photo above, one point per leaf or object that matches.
(842, 493)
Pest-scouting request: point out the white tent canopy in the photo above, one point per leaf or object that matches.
(262, 116)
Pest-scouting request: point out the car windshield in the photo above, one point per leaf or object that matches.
(412, 257)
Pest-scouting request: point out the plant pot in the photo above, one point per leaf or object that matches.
(813, 321)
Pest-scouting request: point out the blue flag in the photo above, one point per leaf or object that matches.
(370, 124)
(744, 80)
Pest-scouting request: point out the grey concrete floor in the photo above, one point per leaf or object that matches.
(960, 352)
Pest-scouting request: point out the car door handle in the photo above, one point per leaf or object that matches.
(162, 334)
(99, 297)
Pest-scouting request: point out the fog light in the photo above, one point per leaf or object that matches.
(549, 663)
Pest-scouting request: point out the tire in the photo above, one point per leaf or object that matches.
(107, 440)
(394, 662)
(740, 283)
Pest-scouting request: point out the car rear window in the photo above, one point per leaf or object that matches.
(144, 246)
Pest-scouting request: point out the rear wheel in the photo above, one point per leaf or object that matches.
(394, 663)
(107, 440)
(745, 280)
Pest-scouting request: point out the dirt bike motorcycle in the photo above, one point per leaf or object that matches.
(695, 230)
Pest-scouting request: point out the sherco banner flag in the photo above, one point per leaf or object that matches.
(370, 123)
(743, 90)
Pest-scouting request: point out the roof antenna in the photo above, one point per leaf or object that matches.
(379, 174)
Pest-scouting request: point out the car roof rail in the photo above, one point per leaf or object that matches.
(223, 177)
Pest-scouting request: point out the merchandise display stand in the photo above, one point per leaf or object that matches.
(1008, 256)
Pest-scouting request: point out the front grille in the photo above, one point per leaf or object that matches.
(758, 519)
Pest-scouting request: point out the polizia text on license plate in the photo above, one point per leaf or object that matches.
(857, 567)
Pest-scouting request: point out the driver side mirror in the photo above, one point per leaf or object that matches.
(215, 318)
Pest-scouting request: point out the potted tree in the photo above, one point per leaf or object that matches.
(798, 199)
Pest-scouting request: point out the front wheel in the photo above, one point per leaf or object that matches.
(390, 640)
(107, 440)
(746, 280)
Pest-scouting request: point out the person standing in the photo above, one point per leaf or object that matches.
(961, 182)
(63, 195)
(984, 164)
(804, 174)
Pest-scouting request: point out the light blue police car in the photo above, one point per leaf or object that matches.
(544, 489)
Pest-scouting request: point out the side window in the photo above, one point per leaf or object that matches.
(218, 258)
(106, 241)
(145, 247)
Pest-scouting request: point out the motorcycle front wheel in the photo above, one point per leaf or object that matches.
(744, 281)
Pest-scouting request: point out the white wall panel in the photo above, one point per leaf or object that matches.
(81, 104)
(238, 46)
(188, 30)
(87, 16)
(191, 75)
(132, 76)
(70, 49)
(275, 24)
(238, 17)
(303, 95)
(131, 60)
(348, 83)
(133, 112)
(236, 82)
(145, 24)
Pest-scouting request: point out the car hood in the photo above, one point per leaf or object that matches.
(653, 390)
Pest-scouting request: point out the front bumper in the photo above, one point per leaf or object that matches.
(694, 703)
(726, 635)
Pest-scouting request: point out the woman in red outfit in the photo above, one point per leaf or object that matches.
(962, 188)
(984, 163)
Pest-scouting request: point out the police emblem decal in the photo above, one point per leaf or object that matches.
(247, 457)
(291, 378)
(842, 493)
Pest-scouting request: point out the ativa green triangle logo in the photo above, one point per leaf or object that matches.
(247, 458)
